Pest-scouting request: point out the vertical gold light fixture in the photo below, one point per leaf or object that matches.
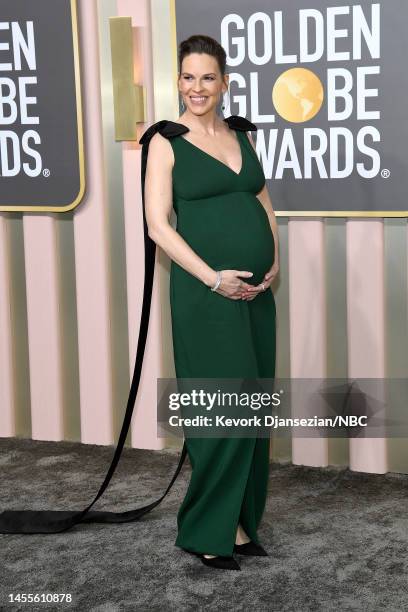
(128, 97)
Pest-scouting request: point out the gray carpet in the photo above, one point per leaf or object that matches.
(338, 540)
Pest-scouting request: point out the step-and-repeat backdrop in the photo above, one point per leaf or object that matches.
(41, 142)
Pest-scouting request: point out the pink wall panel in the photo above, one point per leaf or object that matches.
(365, 322)
(44, 339)
(91, 254)
(307, 321)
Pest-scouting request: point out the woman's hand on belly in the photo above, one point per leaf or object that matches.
(232, 286)
(252, 292)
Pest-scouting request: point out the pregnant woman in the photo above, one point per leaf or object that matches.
(224, 255)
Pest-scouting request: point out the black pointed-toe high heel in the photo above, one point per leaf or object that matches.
(251, 549)
(219, 562)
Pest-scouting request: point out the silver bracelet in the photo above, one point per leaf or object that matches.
(218, 281)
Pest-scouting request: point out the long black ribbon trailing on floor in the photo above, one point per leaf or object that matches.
(57, 521)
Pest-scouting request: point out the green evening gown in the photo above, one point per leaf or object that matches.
(220, 217)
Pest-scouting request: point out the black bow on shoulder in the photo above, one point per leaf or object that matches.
(240, 123)
(167, 128)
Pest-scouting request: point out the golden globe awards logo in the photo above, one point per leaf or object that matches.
(18, 101)
(344, 43)
(41, 139)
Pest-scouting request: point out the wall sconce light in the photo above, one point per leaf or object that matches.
(128, 97)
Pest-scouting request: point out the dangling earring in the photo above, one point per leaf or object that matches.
(183, 106)
(223, 105)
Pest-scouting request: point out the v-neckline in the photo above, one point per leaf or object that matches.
(215, 158)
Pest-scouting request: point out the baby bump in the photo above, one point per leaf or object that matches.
(230, 232)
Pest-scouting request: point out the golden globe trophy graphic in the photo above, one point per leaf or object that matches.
(297, 95)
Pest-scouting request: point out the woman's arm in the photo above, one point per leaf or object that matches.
(158, 205)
